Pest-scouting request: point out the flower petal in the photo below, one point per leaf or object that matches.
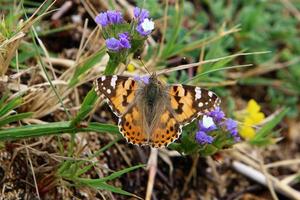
(202, 138)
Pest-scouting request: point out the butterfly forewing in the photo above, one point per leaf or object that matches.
(119, 90)
(188, 102)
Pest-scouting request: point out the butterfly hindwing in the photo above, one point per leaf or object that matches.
(119, 90)
(130, 125)
(166, 131)
(188, 102)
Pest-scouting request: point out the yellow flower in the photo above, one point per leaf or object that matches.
(252, 117)
(247, 132)
(130, 67)
(252, 106)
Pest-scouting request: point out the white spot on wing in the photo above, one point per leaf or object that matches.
(210, 94)
(113, 81)
(198, 93)
(108, 91)
(200, 104)
(103, 78)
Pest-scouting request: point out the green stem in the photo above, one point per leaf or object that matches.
(112, 65)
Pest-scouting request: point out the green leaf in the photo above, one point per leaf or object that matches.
(83, 170)
(101, 183)
(266, 130)
(100, 127)
(10, 105)
(105, 186)
(53, 128)
(120, 173)
(14, 118)
(110, 177)
(86, 107)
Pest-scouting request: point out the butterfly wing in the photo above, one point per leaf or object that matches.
(188, 102)
(166, 131)
(130, 125)
(119, 91)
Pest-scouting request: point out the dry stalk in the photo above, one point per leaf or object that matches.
(152, 167)
(252, 168)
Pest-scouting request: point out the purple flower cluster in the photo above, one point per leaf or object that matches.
(123, 42)
(205, 126)
(109, 17)
(116, 41)
(211, 122)
(145, 25)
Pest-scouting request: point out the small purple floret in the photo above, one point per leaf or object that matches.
(217, 114)
(202, 138)
(206, 129)
(109, 17)
(144, 79)
(140, 14)
(114, 16)
(124, 43)
(231, 126)
(102, 19)
(113, 44)
(141, 31)
(124, 35)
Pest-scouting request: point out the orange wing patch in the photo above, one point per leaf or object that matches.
(130, 125)
(188, 102)
(119, 90)
(166, 132)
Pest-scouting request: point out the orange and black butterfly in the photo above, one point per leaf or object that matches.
(153, 113)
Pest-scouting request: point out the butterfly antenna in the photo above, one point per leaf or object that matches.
(147, 70)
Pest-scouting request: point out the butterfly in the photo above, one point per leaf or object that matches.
(151, 112)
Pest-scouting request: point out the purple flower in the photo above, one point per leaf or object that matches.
(102, 19)
(113, 44)
(144, 79)
(140, 14)
(202, 138)
(207, 124)
(214, 120)
(231, 126)
(124, 35)
(145, 28)
(217, 114)
(115, 17)
(109, 17)
(123, 42)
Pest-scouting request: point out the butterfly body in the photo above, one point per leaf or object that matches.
(153, 113)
